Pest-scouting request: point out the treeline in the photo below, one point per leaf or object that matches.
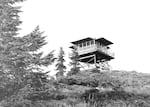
(24, 82)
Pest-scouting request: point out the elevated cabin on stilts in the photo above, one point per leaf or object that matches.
(93, 51)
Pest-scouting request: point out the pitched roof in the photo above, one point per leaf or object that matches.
(101, 40)
(82, 40)
(104, 41)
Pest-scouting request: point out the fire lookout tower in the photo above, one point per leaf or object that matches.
(93, 51)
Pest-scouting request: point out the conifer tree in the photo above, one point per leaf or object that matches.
(75, 65)
(19, 56)
(60, 67)
(9, 22)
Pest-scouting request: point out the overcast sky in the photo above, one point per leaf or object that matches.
(124, 22)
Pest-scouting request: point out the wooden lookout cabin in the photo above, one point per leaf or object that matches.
(93, 51)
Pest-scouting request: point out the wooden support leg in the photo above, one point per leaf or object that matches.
(95, 60)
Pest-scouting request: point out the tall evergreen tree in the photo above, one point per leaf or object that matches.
(19, 56)
(75, 65)
(9, 22)
(60, 67)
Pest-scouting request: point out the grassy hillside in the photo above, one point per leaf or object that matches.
(133, 81)
(93, 88)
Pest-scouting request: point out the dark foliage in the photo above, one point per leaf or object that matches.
(60, 67)
(75, 65)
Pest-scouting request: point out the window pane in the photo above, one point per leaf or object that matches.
(88, 43)
(92, 42)
(84, 44)
(80, 45)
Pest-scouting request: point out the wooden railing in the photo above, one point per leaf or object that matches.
(92, 48)
(87, 49)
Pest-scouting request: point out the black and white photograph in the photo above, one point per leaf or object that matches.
(74, 53)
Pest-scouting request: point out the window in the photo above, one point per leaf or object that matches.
(80, 45)
(84, 44)
(92, 42)
(88, 43)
